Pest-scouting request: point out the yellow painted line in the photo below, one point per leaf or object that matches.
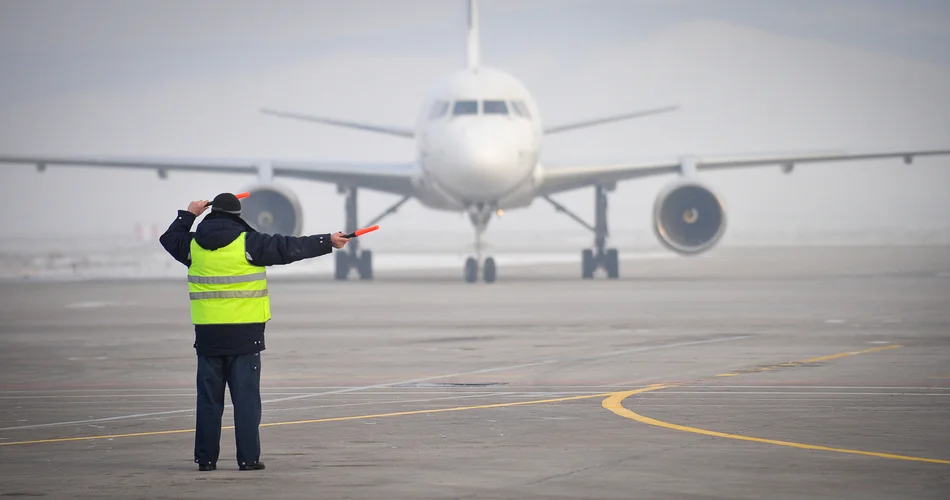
(437, 410)
(320, 420)
(108, 436)
(614, 403)
(791, 364)
(851, 353)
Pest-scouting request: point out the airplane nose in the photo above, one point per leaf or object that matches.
(486, 151)
(487, 160)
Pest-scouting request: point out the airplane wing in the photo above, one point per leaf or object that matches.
(558, 179)
(369, 127)
(393, 178)
(564, 127)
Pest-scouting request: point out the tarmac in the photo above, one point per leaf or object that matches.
(773, 373)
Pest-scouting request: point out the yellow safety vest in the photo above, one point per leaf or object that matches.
(225, 288)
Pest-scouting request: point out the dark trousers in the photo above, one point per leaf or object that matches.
(242, 374)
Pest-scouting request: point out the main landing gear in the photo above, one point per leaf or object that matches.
(599, 257)
(480, 215)
(351, 258)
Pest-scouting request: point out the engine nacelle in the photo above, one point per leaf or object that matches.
(273, 209)
(688, 218)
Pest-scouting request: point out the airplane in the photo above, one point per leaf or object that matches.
(478, 138)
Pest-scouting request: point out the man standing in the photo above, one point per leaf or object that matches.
(226, 261)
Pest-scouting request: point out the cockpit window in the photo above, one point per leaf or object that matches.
(494, 108)
(465, 108)
(520, 109)
(439, 109)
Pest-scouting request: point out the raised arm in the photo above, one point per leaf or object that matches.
(176, 240)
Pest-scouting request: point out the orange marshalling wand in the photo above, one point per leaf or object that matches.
(361, 232)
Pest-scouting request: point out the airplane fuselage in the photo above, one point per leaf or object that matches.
(478, 139)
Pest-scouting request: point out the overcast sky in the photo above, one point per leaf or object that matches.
(187, 78)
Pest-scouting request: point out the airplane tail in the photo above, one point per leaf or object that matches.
(473, 42)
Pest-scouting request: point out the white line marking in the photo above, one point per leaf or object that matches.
(811, 393)
(393, 401)
(532, 388)
(162, 389)
(404, 382)
(119, 397)
(93, 304)
(508, 368)
(851, 387)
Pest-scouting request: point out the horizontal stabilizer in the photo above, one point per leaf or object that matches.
(609, 119)
(382, 129)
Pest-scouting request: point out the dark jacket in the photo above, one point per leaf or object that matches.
(217, 230)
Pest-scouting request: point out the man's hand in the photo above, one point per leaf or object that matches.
(338, 239)
(198, 207)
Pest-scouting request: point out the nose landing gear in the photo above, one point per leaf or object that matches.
(480, 215)
(488, 268)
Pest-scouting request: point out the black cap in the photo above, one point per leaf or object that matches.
(226, 202)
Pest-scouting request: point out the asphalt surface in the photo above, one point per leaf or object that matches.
(744, 374)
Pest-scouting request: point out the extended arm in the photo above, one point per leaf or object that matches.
(275, 249)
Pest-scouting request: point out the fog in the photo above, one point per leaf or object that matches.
(188, 79)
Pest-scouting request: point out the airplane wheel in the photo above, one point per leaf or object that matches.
(366, 265)
(489, 272)
(587, 264)
(471, 270)
(612, 264)
(342, 265)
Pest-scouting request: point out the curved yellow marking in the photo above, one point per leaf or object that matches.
(614, 403)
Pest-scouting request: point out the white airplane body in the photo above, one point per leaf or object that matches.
(478, 140)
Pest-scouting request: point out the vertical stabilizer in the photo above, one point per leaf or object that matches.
(473, 34)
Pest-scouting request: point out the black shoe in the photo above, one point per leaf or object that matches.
(257, 466)
(206, 467)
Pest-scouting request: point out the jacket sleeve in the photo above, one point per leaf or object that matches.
(177, 238)
(275, 249)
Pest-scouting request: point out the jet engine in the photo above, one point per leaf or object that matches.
(273, 209)
(688, 218)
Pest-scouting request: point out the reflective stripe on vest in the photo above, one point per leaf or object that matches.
(222, 280)
(225, 288)
(228, 295)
